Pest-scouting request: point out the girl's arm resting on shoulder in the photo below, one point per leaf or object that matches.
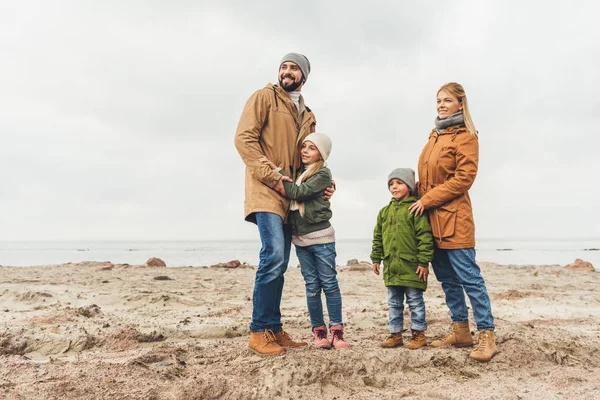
(312, 187)
(467, 158)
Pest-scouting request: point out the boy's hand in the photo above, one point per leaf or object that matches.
(376, 268)
(423, 272)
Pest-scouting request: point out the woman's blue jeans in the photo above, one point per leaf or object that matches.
(276, 238)
(317, 264)
(459, 274)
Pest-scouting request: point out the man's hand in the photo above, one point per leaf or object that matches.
(376, 268)
(279, 185)
(330, 191)
(423, 272)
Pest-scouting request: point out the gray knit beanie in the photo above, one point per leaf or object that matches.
(300, 60)
(406, 175)
(322, 142)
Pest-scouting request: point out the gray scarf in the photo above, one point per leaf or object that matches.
(453, 120)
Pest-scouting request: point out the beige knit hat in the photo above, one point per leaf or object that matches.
(322, 142)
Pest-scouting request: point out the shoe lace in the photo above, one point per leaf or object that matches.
(483, 341)
(338, 334)
(415, 335)
(269, 336)
(321, 333)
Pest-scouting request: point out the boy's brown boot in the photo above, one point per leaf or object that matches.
(417, 340)
(486, 347)
(459, 336)
(285, 340)
(264, 343)
(394, 340)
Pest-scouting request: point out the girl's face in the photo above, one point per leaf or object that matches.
(447, 105)
(309, 153)
(398, 189)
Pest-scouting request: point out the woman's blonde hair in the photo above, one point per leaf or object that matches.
(456, 90)
(310, 172)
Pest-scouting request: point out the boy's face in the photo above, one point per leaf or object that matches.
(398, 189)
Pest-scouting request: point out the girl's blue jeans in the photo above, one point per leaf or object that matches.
(416, 305)
(458, 273)
(317, 264)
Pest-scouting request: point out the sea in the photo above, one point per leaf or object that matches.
(209, 252)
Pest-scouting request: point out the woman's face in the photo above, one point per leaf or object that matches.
(447, 104)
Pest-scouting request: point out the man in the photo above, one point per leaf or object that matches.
(273, 124)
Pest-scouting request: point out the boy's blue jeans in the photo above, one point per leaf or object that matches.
(276, 241)
(416, 305)
(317, 264)
(459, 273)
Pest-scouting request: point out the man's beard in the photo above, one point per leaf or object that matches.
(292, 86)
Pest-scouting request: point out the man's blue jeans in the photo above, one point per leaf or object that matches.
(317, 264)
(276, 238)
(416, 305)
(459, 273)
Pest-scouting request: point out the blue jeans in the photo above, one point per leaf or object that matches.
(276, 241)
(416, 305)
(459, 273)
(317, 264)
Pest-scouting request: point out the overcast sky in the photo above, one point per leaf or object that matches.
(117, 118)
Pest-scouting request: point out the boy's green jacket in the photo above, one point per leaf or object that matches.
(403, 242)
(317, 210)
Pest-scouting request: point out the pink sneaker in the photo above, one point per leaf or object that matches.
(320, 333)
(337, 337)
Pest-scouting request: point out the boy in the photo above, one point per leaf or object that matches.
(405, 245)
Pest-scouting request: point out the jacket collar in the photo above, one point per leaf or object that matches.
(409, 200)
(453, 130)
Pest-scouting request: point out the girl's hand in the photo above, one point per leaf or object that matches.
(416, 208)
(376, 268)
(423, 272)
(268, 162)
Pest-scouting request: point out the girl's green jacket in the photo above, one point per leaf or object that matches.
(403, 242)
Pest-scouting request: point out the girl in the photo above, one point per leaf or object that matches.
(447, 169)
(314, 238)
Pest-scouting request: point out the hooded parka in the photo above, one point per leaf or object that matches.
(447, 169)
(403, 242)
(270, 126)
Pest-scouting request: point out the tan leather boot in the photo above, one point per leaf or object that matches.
(394, 340)
(417, 340)
(459, 336)
(486, 347)
(264, 343)
(285, 340)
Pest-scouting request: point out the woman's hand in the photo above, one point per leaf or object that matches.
(268, 162)
(423, 273)
(416, 208)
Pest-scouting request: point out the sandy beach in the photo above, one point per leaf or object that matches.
(97, 331)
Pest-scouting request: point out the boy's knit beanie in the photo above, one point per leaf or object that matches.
(406, 175)
(322, 142)
(300, 60)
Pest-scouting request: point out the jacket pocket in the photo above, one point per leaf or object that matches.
(443, 220)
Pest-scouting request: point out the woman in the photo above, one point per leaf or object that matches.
(447, 169)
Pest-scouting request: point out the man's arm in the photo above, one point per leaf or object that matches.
(247, 138)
